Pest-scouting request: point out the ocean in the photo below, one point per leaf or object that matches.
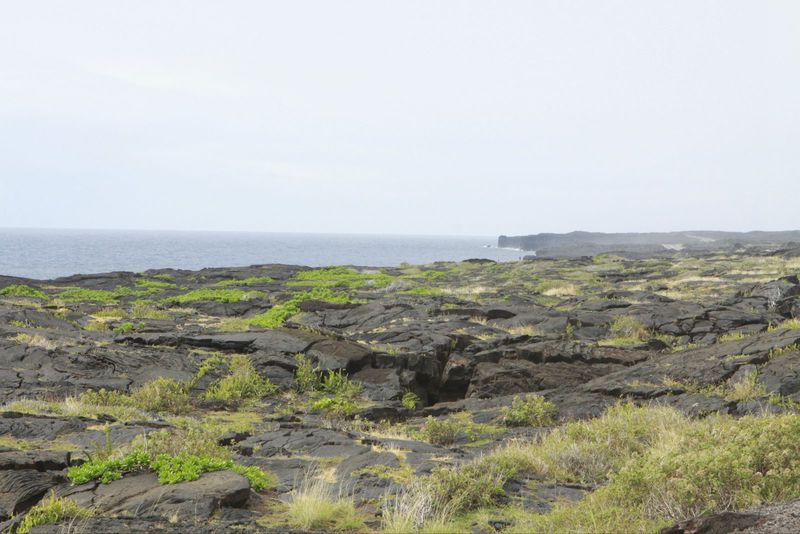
(44, 254)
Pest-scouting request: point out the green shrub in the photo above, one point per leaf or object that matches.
(410, 400)
(531, 410)
(626, 330)
(162, 395)
(18, 290)
(440, 432)
(50, 511)
(242, 384)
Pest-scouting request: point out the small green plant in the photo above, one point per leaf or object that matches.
(531, 410)
(124, 328)
(410, 401)
(336, 406)
(19, 290)
(50, 511)
(625, 330)
(440, 432)
(307, 375)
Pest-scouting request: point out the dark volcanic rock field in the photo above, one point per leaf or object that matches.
(363, 380)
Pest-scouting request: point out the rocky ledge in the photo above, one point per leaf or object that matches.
(545, 395)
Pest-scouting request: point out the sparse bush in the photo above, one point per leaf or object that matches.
(35, 341)
(242, 384)
(531, 410)
(50, 511)
(307, 375)
(143, 310)
(440, 432)
(162, 395)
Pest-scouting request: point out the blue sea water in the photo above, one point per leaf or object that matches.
(44, 254)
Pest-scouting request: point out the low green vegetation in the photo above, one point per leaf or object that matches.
(170, 469)
(241, 384)
(280, 313)
(256, 280)
(19, 290)
(422, 291)
(76, 294)
(530, 410)
(341, 277)
(50, 511)
(155, 285)
(218, 295)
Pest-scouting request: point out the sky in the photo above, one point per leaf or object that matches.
(416, 117)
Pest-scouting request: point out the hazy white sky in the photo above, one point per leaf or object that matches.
(430, 117)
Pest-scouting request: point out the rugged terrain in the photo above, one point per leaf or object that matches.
(648, 245)
(542, 395)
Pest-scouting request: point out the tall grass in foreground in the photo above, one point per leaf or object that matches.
(652, 466)
(319, 505)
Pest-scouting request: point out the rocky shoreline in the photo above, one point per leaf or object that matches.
(246, 390)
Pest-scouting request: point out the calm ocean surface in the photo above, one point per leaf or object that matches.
(52, 253)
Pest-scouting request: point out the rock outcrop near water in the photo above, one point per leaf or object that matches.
(577, 244)
(230, 399)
